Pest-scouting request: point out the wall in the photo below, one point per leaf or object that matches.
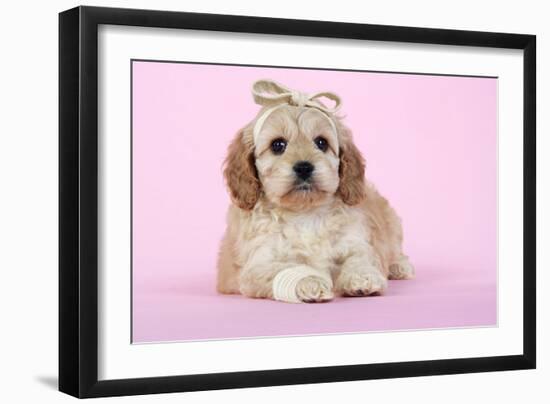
(28, 206)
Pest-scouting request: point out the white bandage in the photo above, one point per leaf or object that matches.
(286, 281)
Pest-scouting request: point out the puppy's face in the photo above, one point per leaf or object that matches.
(298, 159)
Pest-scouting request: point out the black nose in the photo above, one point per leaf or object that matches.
(303, 169)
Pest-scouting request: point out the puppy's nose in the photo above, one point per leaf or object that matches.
(303, 169)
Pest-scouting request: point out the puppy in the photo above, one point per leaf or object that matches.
(304, 224)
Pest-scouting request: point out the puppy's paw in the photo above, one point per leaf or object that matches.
(361, 283)
(401, 269)
(314, 289)
(302, 283)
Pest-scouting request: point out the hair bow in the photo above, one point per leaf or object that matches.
(270, 93)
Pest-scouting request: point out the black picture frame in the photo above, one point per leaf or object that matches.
(78, 201)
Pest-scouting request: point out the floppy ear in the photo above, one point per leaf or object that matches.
(352, 170)
(240, 172)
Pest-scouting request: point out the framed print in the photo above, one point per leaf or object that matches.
(251, 201)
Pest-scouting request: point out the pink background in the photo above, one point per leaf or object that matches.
(430, 146)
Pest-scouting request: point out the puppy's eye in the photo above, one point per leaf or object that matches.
(278, 146)
(321, 143)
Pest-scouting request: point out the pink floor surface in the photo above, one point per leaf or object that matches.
(191, 311)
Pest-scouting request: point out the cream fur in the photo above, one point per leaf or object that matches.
(339, 237)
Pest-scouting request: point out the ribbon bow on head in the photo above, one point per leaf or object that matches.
(273, 95)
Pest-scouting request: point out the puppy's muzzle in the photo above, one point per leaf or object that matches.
(303, 170)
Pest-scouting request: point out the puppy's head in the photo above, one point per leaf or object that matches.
(298, 158)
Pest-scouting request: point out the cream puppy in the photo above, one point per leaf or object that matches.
(304, 224)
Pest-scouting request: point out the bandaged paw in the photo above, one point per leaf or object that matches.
(302, 284)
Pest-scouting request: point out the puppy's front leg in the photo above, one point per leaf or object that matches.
(287, 282)
(361, 273)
